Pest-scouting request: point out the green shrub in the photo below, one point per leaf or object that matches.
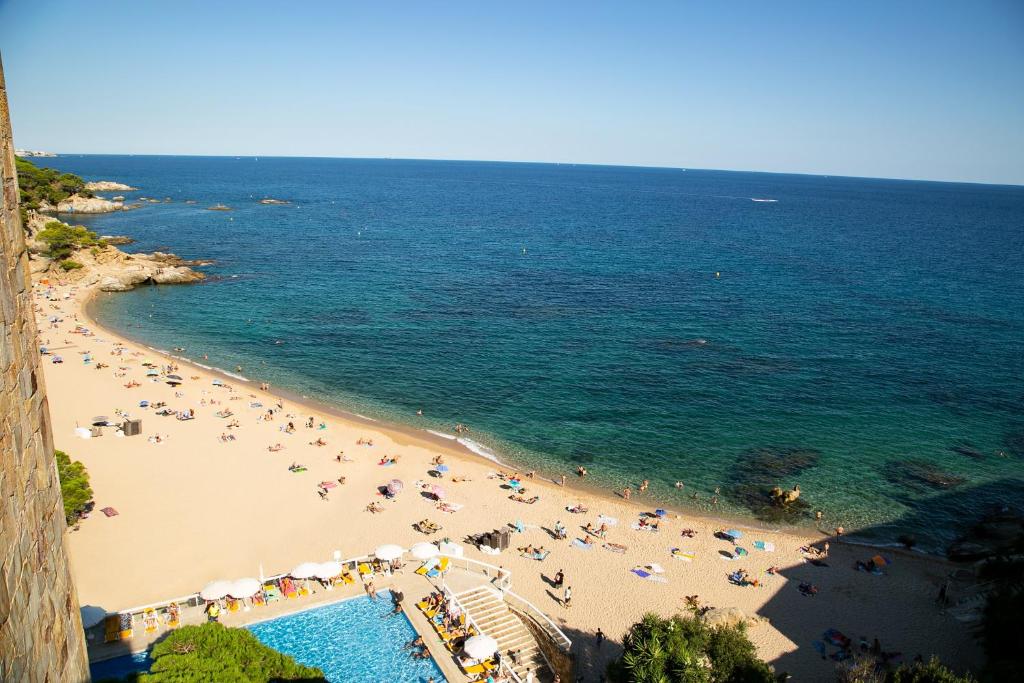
(687, 650)
(37, 185)
(74, 486)
(1002, 630)
(212, 652)
(62, 239)
(68, 264)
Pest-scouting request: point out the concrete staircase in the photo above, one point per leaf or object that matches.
(494, 618)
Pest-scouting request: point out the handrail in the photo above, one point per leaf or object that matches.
(566, 643)
(504, 575)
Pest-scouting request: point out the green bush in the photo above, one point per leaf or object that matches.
(68, 264)
(74, 486)
(212, 652)
(62, 239)
(687, 650)
(37, 185)
(1002, 631)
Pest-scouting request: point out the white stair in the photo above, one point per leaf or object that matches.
(490, 613)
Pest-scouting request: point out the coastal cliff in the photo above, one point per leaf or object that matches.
(94, 262)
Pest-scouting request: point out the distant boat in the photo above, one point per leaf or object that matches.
(755, 199)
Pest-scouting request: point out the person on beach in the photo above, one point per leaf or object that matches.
(680, 485)
(371, 590)
(559, 579)
(581, 471)
(563, 480)
(599, 638)
(627, 492)
(567, 597)
(643, 485)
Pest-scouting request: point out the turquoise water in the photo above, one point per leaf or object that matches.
(865, 338)
(356, 641)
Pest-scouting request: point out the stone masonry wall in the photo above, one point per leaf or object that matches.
(41, 635)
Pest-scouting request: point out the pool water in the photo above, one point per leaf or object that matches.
(355, 641)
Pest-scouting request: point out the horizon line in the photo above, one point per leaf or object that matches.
(544, 163)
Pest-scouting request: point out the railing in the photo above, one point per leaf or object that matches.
(502, 576)
(523, 605)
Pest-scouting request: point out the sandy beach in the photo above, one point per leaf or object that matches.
(211, 501)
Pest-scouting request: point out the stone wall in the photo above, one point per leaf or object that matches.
(41, 635)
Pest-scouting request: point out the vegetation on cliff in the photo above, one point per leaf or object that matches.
(46, 185)
(687, 650)
(74, 486)
(212, 652)
(62, 239)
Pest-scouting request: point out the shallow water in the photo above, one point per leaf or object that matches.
(573, 315)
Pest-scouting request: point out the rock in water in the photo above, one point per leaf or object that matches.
(108, 186)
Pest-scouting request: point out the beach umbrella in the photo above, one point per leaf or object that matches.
(100, 420)
(480, 647)
(92, 615)
(305, 570)
(217, 383)
(880, 561)
(395, 486)
(441, 468)
(660, 512)
(734, 534)
(328, 570)
(438, 492)
(177, 377)
(424, 551)
(388, 552)
(215, 590)
(244, 588)
(152, 373)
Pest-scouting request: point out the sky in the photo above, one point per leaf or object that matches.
(922, 90)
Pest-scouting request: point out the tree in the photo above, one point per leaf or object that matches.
(62, 239)
(74, 486)
(212, 652)
(687, 650)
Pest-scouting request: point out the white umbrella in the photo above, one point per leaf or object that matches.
(388, 552)
(244, 588)
(215, 590)
(328, 570)
(92, 615)
(480, 647)
(424, 551)
(305, 570)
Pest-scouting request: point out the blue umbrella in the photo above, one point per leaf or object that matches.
(442, 468)
(660, 512)
(733, 533)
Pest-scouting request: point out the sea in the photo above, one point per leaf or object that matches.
(860, 338)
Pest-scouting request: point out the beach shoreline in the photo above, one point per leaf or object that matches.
(452, 445)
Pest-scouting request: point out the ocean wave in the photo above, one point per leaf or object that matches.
(442, 435)
(758, 199)
(364, 417)
(231, 374)
(481, 450)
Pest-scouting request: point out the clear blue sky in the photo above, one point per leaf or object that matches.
(890, 89)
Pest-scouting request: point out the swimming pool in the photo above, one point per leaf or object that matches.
(354, 641)
(357, 641)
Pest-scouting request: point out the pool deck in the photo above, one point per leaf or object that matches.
(414, 586)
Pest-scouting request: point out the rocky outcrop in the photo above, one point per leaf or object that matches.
(116, 239)
(730, 617)
(78, 204)
(111, 270)
(108, 186)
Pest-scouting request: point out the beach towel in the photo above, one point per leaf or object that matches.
(328, 484)
(636, 526)
(296, 469)
(610, 521)
(450, 507)
(685, 556)
(615, 547)
(577, 543)
(648, 576)
(109, 512)
(764, 546)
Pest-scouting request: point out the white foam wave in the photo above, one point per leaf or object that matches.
(442, 435)
(364, 417)
(480, 450)
(231, 374)
(757, 199)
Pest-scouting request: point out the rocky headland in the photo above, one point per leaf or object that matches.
(108, 186)
(79, 204)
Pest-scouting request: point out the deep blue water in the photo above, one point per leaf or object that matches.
(859, 331)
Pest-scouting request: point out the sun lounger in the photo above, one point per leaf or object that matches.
(475, 669)
(365, 570)
(112, 629)
(150, 620)
(272, 592)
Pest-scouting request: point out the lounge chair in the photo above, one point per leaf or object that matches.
(365, 570)
(272, 592)
(150, 620)
(112, 628)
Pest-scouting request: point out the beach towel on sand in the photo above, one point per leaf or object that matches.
(764, 546)
(577, 543)
(615, 547)
(610, 521)
(648, 576)
(683, 555)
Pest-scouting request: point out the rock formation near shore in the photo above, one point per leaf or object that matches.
(78, 204)
(112, 270)
(108, 186)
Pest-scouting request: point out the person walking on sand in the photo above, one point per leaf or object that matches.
(559, 579)
(563, 480)
(567, 598)
(627, 492)
(599, 638)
